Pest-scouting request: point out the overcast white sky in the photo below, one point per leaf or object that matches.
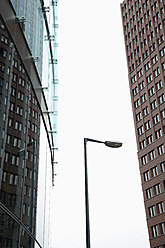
(94, 102)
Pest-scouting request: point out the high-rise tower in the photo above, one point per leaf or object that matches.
(144, 34)
(28, 127)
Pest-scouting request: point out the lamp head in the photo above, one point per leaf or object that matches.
(113, 144)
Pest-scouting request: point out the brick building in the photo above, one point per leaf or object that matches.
(144, 33)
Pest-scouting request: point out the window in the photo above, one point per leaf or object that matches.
(19, 110)
(149, 193)
(13, 179)
(4, 176)
(133, 79)
(10, 122)
(140, 130)
(11, 106)
(135, 91)
(147, 66)
(141, 85)
(160, 207)
(7, 243)
(163, 114)
(158, 133)
(145, 111)
(11, 199)
(162, 227)
(138, 116)
(137, 103)
(142, 144)
(151, 91)
(20, 96)
(13, 91)
(156, 72)
(15, 160)
(163, 65)
(157, 189)
(155, 232)
(149, 139)
(149, 78)
(161, 149)
(146, 176)
(143, 97)
(156, 119)
(152, 155)
(153, 105)
(144, 159)
(17, 142)
(14, 77)
(159, 85)
(161, 99)
(8, 140)
(162, 166)
(147, 125)
(6, 157)
(152, 212)
(160, 26)
(162, 52)
(154, 171)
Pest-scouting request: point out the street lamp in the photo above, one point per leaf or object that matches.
(22, 153)
(111, 144)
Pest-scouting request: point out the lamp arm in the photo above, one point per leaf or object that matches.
(92, 140)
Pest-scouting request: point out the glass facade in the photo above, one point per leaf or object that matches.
(28, 115)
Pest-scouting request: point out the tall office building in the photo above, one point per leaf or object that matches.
(144, 34)
(30, 12)
(28, 121)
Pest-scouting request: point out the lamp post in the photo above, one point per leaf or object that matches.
(111, 144)
(22, 153)
(32, 193)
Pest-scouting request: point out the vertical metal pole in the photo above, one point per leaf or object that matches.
(31, 198)
(86, 196)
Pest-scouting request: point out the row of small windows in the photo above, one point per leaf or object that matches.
(158, 230)
(149, 78)
(152, 155)
(7, 198)
(141, 129)
(142, 32)
(145, 112)
(18, 125)
(10, 199)
(21, 82)
(153, 104)
(26, 210)
(15, 160)
(3, 68)
(156, 118)
(144, 54)
(20, 110)
(159, 246)
(10, 178)
(155, 190)
(153, 172)
(4, 52)
(148, 141)
(144, 5)
(137, 4)
(156, 209)
(20, 95)
(6, 222)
